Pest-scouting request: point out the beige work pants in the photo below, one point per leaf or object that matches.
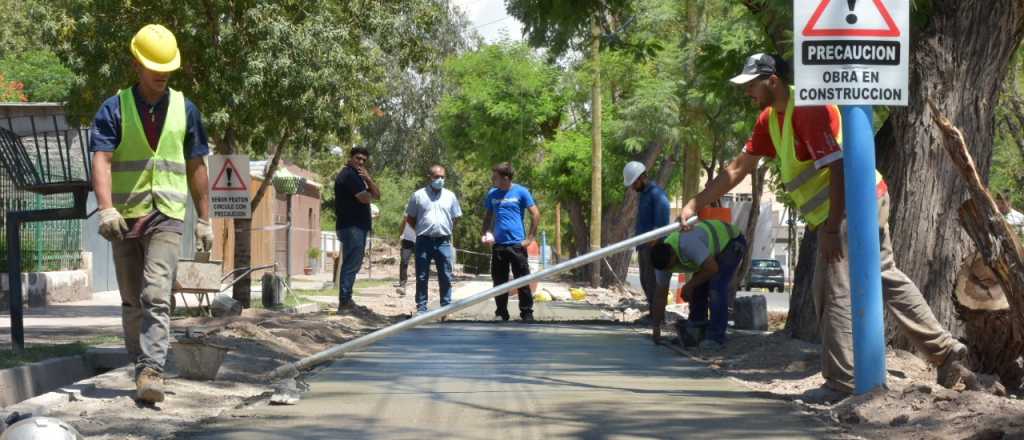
(145, 269)
(831, 289)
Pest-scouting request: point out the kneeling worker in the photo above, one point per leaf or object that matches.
(710, 252)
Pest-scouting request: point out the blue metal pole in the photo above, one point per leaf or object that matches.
(865, 261)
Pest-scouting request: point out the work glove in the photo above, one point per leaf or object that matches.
(112, 225)
(204, 235)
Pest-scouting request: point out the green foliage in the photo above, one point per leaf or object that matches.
(562, 25)
(263, 73)
(504, 100)
(1007, 175)
(404, 130)
(45, 78)
(566, 167)
(22, 30)
(395, 191)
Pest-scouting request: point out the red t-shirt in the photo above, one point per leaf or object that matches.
(814, 135)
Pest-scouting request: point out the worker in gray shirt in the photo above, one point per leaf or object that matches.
(711, 252)
(433, 212)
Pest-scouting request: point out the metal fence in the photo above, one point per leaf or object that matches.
(60, 152)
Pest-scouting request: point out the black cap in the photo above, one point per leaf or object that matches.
(761, 65)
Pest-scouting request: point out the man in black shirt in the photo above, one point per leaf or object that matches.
(354, 189)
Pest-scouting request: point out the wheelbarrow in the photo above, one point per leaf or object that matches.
(202, 277)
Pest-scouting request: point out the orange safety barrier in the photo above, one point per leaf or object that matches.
(723, 214)
(679, 292)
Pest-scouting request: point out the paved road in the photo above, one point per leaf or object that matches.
(484, 380)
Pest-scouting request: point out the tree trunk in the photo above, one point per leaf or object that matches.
(618, 227)
(580, 235)
(595, 161)
(242, 290)
(691, 173)
(802, 322)
(959, 61)
(989, 295)
(757, 188)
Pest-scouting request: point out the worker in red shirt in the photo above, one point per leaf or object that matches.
(806, 142)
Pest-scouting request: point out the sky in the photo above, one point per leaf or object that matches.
(488, 17)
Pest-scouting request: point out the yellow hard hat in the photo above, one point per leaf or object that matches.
(156, 49)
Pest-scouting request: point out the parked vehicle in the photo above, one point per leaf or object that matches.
(765, 273)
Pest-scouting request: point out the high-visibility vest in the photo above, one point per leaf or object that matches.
(808, 186)
(144, 179)
(720, 234)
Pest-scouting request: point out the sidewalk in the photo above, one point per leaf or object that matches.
(69, 322)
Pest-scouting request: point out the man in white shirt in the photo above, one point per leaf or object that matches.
(433, 211)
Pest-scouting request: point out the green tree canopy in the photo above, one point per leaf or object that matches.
(504, 100)
(45, 78)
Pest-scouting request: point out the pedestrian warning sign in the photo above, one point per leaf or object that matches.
(229, 186)
(863, 23)
(229, 178)
(851, 52)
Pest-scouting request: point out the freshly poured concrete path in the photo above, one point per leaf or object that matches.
(482, 380)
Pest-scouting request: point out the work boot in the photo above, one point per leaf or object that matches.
(527, 317)
(149, 386)
(709, 345)
(502, 314)
(346, 306)
(824, 395)
(948, 374)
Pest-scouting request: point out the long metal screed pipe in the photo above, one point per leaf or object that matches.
(292, 369)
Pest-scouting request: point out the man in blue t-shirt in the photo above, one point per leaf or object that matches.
(506, 205)
(354, 189)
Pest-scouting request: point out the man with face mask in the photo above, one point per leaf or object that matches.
(433, 212)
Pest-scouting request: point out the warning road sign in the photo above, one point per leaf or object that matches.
(229, 189)
(871, 21)
(850, 52)
(225, 181)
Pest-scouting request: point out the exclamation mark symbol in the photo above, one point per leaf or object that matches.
(229, 177)
(851, 17)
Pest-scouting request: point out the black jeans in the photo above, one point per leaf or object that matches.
(408, 247)
(503, 258)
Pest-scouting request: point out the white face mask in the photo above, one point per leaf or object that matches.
(437, 183)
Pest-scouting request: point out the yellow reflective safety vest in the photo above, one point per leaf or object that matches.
(144, 179)
(807, 185)
(720, 234)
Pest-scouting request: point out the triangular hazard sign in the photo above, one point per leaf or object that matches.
(228, 179)
(844, 21)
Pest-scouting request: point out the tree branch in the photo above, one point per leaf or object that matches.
(269, 177)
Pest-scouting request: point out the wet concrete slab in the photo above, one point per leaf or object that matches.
(498, 380)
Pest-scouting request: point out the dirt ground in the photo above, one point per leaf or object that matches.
(913, 406)
(259, 341)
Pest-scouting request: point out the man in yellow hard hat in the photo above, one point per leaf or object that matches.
(147, 144)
